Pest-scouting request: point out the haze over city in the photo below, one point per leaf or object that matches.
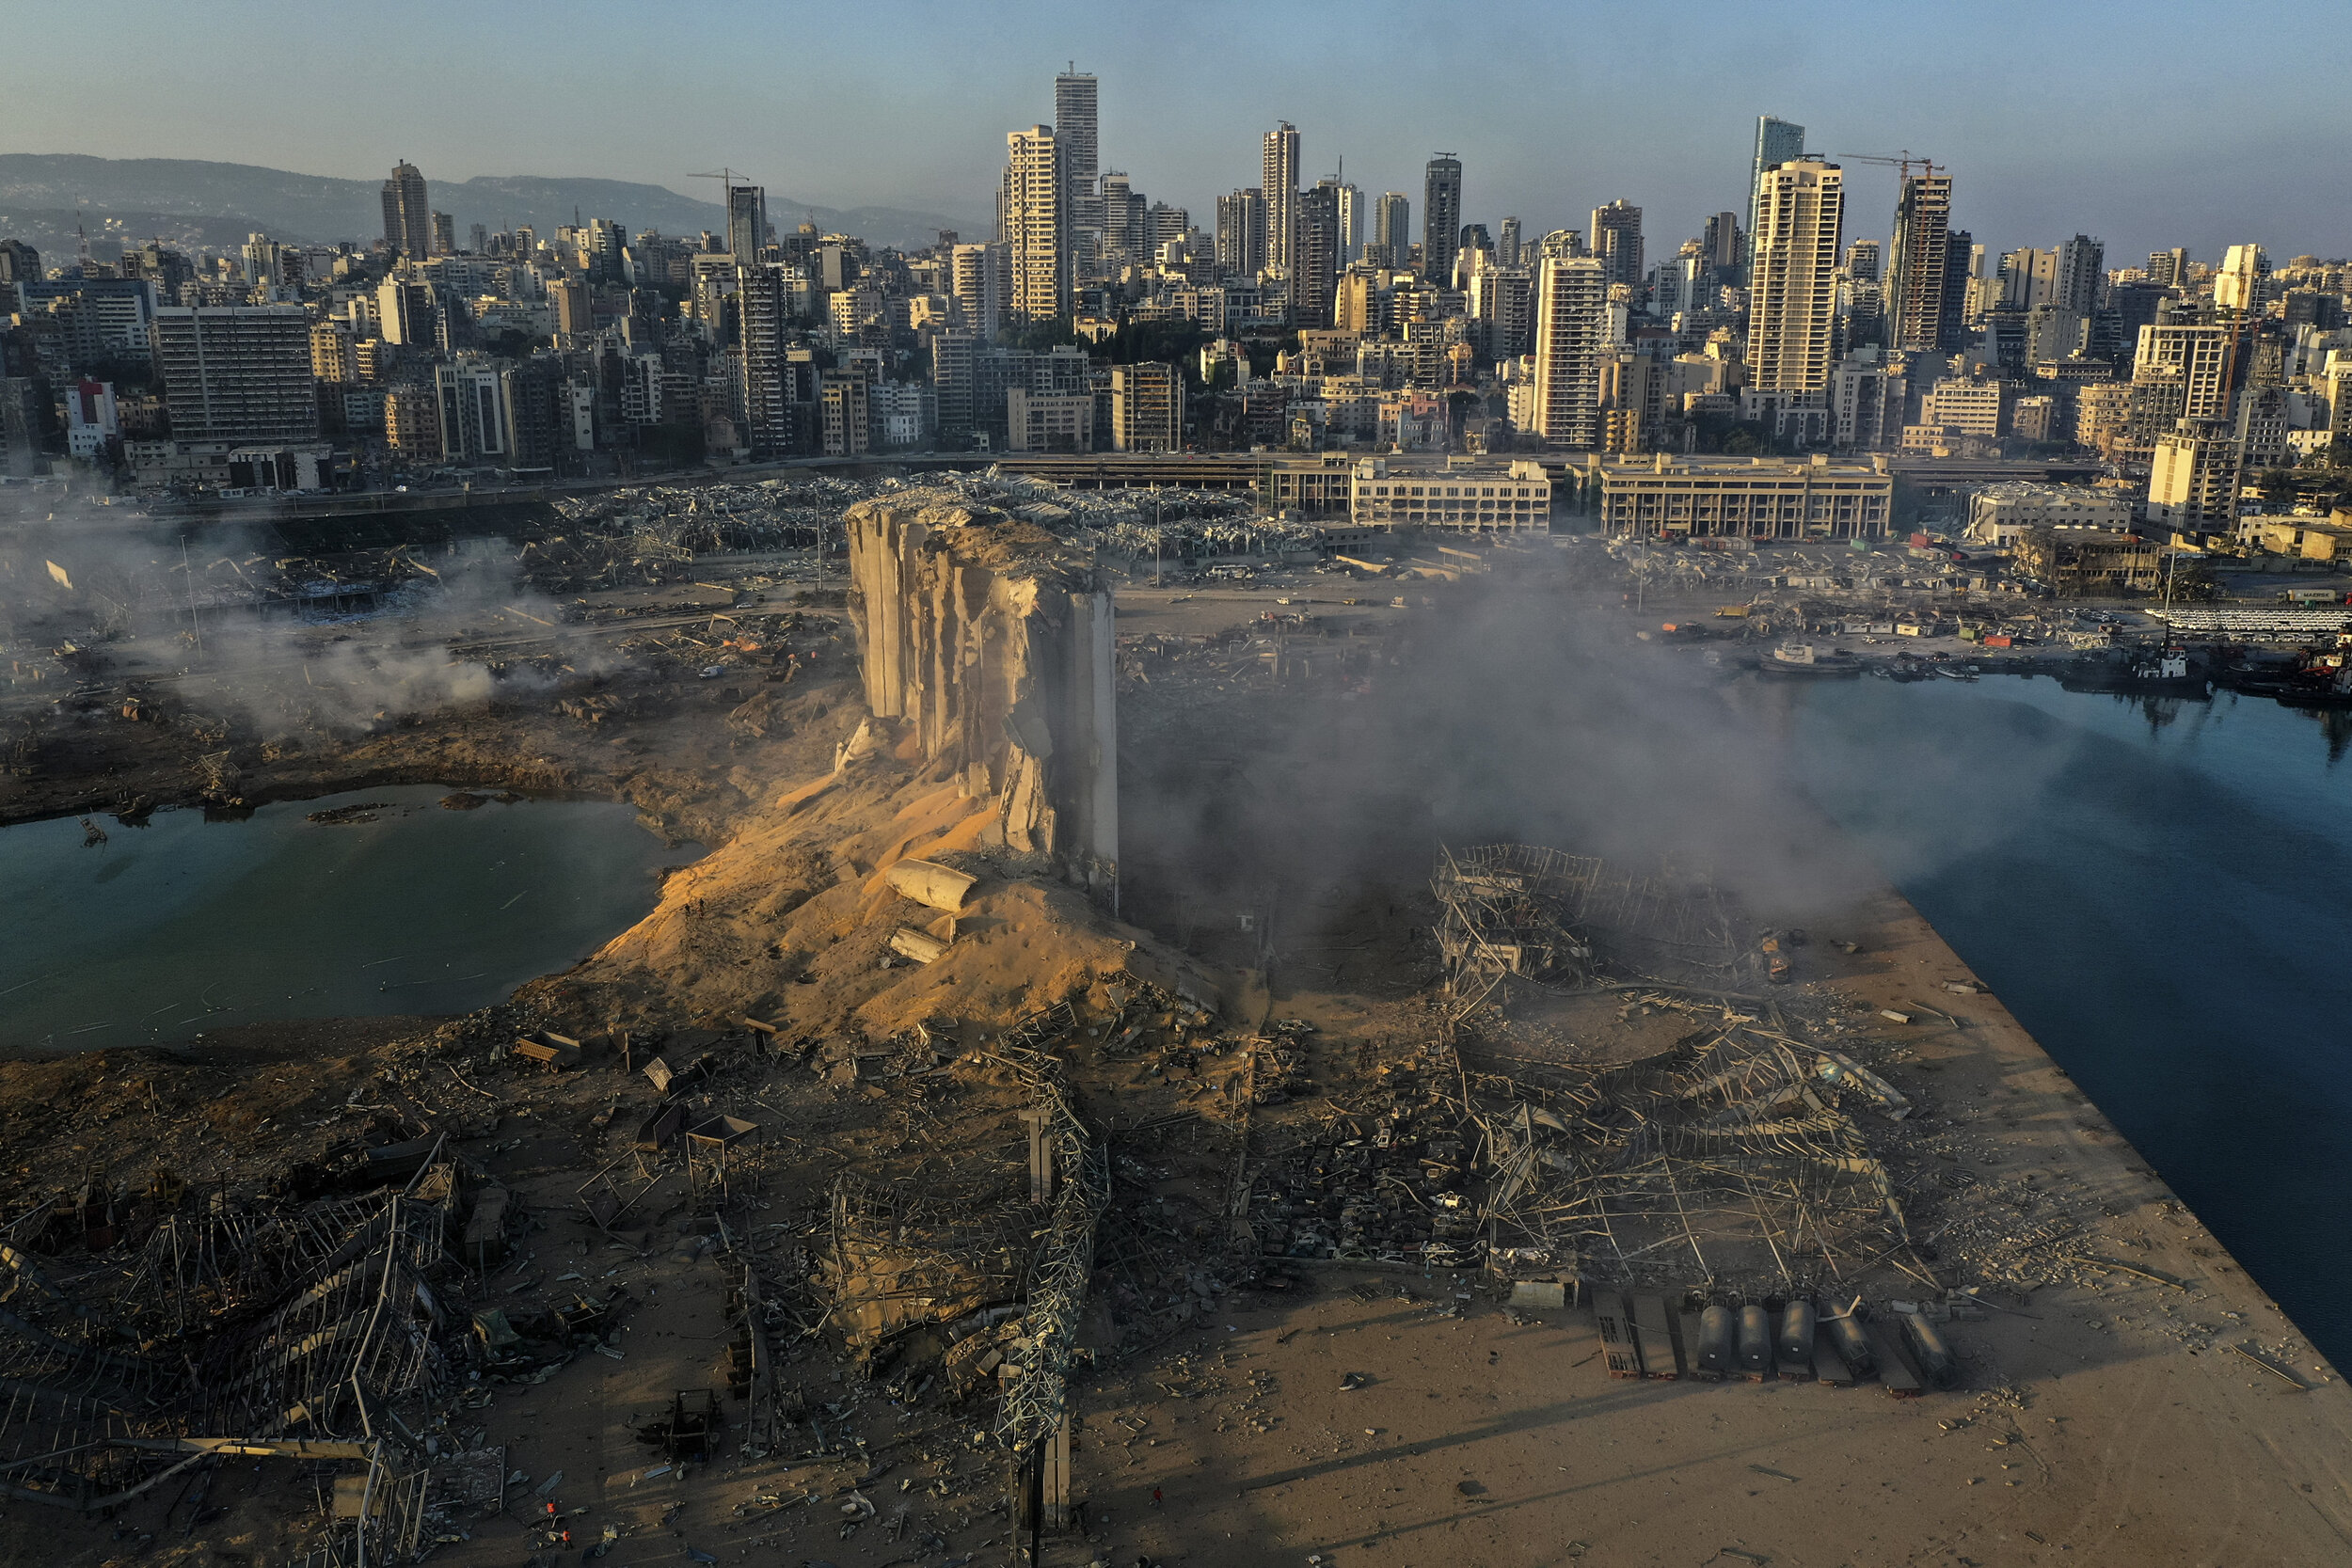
(2201, 129)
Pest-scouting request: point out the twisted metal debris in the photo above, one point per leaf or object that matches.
(1037, 1388)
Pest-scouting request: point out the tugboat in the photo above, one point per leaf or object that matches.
(2318, 681)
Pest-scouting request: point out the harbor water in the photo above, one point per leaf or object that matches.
(161, 932)
(2155, 888)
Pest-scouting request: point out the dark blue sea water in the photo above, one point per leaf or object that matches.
(2161, 891)
(165, 931)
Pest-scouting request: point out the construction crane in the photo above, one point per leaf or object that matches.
(1901, 161)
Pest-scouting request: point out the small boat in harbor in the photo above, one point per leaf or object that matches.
(2158, 675)
(1795, 658)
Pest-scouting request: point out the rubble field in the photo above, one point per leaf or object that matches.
(1352, 1178)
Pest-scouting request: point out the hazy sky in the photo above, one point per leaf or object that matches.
(2145, 125)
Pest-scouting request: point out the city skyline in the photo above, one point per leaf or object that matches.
(1557, 125)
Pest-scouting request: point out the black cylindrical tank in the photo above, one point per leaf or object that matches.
(1715, 1343)
(1845, 1332)
(1796, 1331)
(1935, 1356)
(1755, 1341)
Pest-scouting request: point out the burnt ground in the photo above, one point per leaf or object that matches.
(1232, 1406)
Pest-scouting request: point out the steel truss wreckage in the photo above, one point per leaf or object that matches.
(1561, 922)
(241, 1330)
(1728, 1162)
(901, 1260)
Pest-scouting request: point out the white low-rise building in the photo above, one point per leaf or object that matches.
(1464, 494)
(1999, 512)
(1753, 497)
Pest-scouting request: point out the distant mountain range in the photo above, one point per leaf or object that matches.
(196, 202)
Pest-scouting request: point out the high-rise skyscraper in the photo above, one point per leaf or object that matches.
(1241, 232)
(1776, 142)
(264, 260)
(954, 375)
(1963, 264)
(1120, 210)
(2168, 267)
(1571, 332)
(1033, 225)
(1862, 260)
(1722, 242)
(1507, 243)
(1440, 217)
(1499, 298)
(2197, 363)
(764, 297)
(1392, 229)
(1315, 259)
(1617, 241)
(407, 215)
(19, 262)
(2082, 275)
(980, 277)
(1147, 408)
(1074, 128)
(1351, 217)
(2242, 282)
(1281, 185)
(1919, 263)
(1093, 232)
(574, 313)
(1792, 266)
(747, 223)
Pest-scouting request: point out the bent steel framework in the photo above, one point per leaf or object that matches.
(237, 1331)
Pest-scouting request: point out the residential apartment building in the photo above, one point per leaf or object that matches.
(1147, 408)
(407, 215)
(1441, 217)
(1792, 267)
(1033, 225)
(1918, 264)
(1281, 187)
(2193, 483)
(1048, 421)
(1571, 340)
(237, 372)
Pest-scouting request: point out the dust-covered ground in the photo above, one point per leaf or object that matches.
(1258, 1037)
